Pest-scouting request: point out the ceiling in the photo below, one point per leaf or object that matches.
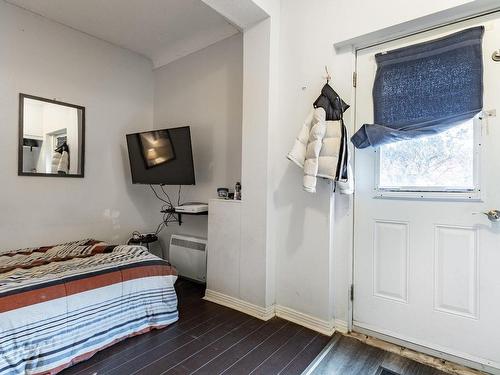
(162, 30)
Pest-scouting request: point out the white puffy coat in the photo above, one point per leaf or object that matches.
(317, 151)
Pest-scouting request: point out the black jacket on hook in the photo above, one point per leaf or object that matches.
(331, 102)
(335, 107)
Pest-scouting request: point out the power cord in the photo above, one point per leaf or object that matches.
(168, 208)
(157, 196)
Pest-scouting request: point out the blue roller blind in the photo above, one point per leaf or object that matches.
(425, 89)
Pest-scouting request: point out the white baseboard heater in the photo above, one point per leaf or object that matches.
(188, 255)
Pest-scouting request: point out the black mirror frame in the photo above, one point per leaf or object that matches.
(21, 136)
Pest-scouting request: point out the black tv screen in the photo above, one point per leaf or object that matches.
(161, 157)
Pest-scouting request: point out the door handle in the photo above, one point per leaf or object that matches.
(493, 215)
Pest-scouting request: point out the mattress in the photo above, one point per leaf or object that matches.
(61, 304)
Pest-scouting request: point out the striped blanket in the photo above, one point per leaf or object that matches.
(61, 304)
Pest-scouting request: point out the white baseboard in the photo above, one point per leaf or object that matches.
(341, 326)
(318, 325)
(322, 326)
(240, 305)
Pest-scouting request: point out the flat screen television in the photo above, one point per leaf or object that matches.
(161, 157)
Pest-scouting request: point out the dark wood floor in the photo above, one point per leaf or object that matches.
(352, 357)
(210, 339)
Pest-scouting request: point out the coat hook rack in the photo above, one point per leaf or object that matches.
(328, 76)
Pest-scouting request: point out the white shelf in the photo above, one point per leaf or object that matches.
(225, 200)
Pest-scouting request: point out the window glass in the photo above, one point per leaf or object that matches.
(440, 162)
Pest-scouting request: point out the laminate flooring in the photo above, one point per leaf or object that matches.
(209, 339)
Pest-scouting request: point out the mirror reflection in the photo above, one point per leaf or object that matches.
(51, 137)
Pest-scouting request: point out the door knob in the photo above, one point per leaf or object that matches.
(493, 215)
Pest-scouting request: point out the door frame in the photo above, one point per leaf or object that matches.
(392, 337)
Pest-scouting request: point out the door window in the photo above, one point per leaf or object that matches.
(445, 162)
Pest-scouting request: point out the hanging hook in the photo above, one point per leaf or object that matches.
(496, 55)
(328, 76)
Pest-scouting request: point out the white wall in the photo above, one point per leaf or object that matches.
(254, 226)
(46, 59)
(302, 220)
(204, 90)
(260, 111)
(358, 17)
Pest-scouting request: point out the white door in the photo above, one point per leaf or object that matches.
(426, 269)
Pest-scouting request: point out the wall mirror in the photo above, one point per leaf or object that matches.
(51, 138)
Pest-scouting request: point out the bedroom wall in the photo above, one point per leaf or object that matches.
(203, 90)
(47, 59)
(302, 221)
(257, 256)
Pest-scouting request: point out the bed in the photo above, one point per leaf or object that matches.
(61, 304)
